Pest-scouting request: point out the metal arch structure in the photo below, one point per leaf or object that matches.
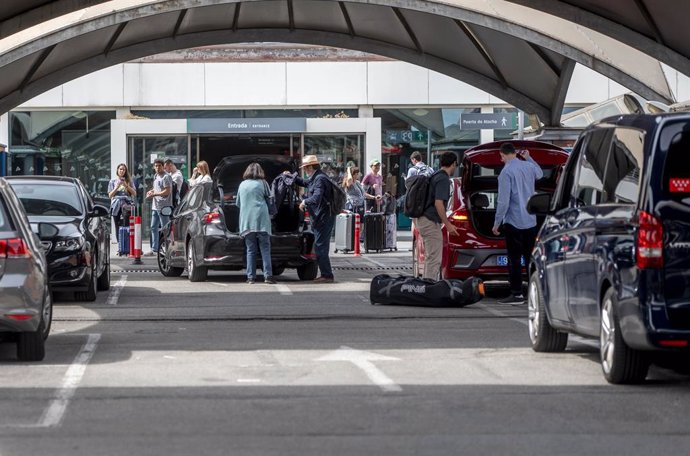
(521, 55)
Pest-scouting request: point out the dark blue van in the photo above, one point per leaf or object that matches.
(612, 259)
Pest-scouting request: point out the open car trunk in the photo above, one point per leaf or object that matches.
(228, 174)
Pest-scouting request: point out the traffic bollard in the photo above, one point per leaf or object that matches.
(357, 234)
(137, 241)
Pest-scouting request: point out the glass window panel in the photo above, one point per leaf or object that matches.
(623, 171)
(589, 188)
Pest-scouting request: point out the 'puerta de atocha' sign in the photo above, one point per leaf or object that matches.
(489, 121)
(278, 125)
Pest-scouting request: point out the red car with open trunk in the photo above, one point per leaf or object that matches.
(476, 251)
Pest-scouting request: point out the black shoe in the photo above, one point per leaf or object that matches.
(250, 280)
(513, 300)
(270, 280)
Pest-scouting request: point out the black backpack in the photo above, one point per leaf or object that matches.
(178, 194)
(338, 197)
(417, 196)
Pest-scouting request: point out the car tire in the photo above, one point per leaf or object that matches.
(164, 262)
(103, 283)
(90, 294)
(543, 337)
(308, 271)
(619, 363)
(31, 345)
(196, 273)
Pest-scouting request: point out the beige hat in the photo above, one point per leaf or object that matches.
(309, 160)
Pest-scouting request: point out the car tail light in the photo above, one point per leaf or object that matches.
(673, 343)
(211, 217)
(650, 242)
(460, 215)
(14, 248)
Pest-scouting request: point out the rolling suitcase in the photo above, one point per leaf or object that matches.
(123, 241)
(391, 232)
(374, 231)
(412, 291)
(345, 232)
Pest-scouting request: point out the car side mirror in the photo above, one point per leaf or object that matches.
(540, 204)
(47, 230)
(99, 211)
(167, 211)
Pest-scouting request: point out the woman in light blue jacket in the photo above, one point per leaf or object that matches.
(255, 221)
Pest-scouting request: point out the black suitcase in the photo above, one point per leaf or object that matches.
(374, 231)
(123, 241)
(411, 291)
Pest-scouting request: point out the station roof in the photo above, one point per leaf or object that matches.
(521, 51)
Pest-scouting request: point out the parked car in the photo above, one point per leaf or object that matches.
(26, 306)
(79, 254)
(476, 251)
(612, 260)
(203, 233)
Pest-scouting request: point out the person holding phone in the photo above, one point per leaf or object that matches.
(121, 192)
(200, 174)
(515, 186)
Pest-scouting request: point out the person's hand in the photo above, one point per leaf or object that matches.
(524, 154)
(302, 206)
(451, 229)
(378, 197)
(149, 194)
(496, 231)
(286, 172)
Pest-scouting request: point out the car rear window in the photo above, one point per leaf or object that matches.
(48, 199)
(5, 222)
(675, 139)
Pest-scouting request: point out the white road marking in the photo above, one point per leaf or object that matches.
(363, 360)
(52, 417)
(115, 291)
(523, 321)
(283, 289)
(364, 299)
(248, 380)
(219, 284)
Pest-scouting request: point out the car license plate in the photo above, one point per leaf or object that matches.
(502, 260)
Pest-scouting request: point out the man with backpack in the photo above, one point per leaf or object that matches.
(431, 221)
(418, 166)
(179, 184)
(318, 202)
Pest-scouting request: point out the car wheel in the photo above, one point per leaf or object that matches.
(90, 294)
(31, 346)
(308, 271)
(278, 271)
(47, 315)
(620, 363)
(103, 283)
(543, 336)
(196, 273)
(164, 262)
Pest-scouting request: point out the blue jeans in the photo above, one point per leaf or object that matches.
(260, 241)
(322, 245)
(158, 221)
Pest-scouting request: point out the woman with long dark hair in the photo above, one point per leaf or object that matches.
(255, 221)
(121, 192)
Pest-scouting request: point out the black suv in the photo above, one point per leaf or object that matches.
(612, 259)
(203, 233)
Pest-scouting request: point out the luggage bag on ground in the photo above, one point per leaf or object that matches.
(123, 240)
(374, 231)
(391, 232)
(411, 291)
(345, 232)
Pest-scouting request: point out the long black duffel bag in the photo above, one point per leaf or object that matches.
(411, 291)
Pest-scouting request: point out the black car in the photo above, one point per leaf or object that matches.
(79, 254)
(203, 233)
(612, 259)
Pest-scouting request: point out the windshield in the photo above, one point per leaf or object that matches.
(48, 199)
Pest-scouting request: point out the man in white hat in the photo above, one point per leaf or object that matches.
(322, 222)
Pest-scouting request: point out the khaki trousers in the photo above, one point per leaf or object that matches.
(432, 237)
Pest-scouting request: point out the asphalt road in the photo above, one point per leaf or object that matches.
(162, 366)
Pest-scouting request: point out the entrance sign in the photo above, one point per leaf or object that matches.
(490, 121)
(254, 125)
(405, 136)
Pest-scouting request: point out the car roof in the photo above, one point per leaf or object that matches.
(647, 122)
(60, 180)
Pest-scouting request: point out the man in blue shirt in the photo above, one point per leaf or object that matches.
(515, 187)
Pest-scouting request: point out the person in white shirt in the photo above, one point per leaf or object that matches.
(201, 174)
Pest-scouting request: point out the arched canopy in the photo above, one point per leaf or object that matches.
(523, 56)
